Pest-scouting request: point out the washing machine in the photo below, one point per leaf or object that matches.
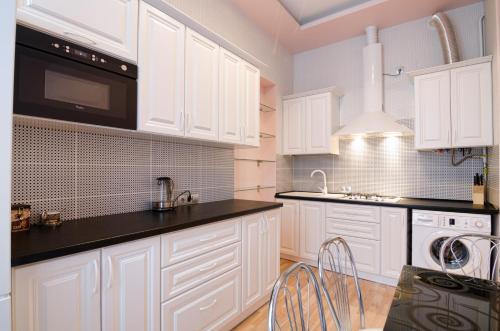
(430, 231)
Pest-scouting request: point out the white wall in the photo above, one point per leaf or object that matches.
(413, 45)
(225, 19)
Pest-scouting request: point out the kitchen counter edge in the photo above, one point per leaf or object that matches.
(456, 206)
(80, 235)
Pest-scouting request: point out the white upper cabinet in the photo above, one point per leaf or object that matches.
(58, 295)
(294, 126)
(202, 87)
(231, 100)
(161, 74)
(432, 111)
(106, 25)
(309, 121)
(453, 105)
(239, 99)
(131, 286)
(318, 123)
(251, 102)
(471, 105)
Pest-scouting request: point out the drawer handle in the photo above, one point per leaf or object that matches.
(208, 238)
(209, 305)
(425, 219)
(209, 267)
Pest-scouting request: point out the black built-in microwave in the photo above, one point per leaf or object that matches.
(57, 79)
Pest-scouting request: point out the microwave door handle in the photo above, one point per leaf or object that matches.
(79, 37)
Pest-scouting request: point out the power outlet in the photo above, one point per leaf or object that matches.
(195, 198)
(183, 200)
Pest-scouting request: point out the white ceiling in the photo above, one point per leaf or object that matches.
(305, 11)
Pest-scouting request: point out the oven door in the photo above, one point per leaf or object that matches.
(51, 86)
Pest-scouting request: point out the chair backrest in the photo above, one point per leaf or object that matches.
(471, 254)
(298, 291)
(336, 265)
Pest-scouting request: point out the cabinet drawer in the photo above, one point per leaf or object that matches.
(182, 245)
(186, 275)
(208, 307)
(353, 228)
(353, 212)
(366, 253)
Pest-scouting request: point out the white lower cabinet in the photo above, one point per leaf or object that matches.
(208, 278)
(131, 286)
(207, 307)
(394, 243)
(260, 244)
(376, 235)
(58, 295)
(290, 226)
(312, 228)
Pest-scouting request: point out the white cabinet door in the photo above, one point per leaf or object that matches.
(394, 246)
(271, 249)
(366, 253)
(294, 126)
(312, 228)
(471, 106)
(210, 306)
(161, 74)
(231, 112)
(432, 111)
(131, 286)
(58, 295)
(106, 25)
(252, 263)
(290, 227)
(318, 123)
(251, 103)
(202, 87)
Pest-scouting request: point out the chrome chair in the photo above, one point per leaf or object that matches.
(471, 254)
(336, 266)
(298, 291)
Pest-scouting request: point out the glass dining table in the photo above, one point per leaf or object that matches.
(433, 300)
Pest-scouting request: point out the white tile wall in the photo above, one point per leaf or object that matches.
(89, 171)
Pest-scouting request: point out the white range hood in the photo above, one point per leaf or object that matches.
(373, 122)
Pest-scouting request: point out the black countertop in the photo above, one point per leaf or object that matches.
(41, 243)
(457, 206)
(433, 300)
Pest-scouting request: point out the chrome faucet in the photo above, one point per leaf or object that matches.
(323, 189)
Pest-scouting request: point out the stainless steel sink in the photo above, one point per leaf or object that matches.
(341, 196)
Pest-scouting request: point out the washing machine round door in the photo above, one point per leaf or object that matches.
(464, 259)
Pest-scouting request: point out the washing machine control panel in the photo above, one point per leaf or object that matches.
(473, 224)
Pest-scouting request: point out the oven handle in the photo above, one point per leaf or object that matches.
(79, 37)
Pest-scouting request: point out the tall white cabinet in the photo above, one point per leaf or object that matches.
(161, 74)
(106, 25)
(58, 295)
(453, 105)
(309, 121)
(202, 87)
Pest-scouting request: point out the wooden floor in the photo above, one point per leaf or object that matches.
(377, 299)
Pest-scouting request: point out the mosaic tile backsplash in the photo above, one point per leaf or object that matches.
(388, 166)
(85, 172)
